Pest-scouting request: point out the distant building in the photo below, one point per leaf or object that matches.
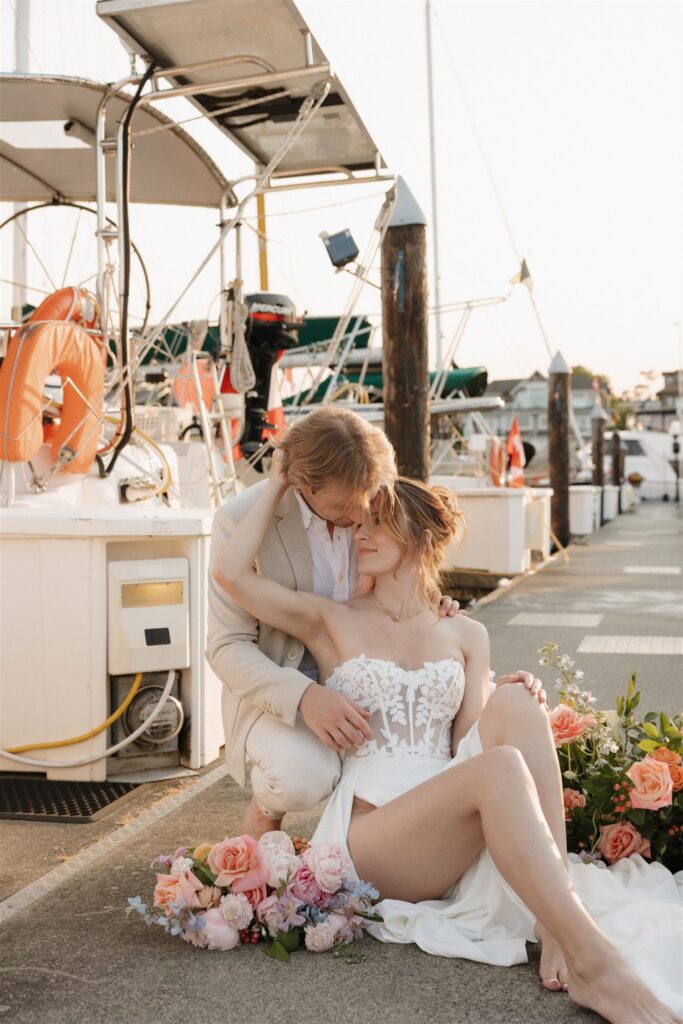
(527, 399)
(657, 413)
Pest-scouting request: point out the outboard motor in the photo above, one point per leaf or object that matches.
(272, 327)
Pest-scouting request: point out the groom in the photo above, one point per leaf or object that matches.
(277, 720)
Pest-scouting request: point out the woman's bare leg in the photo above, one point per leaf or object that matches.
(513, 717)
(441, 825)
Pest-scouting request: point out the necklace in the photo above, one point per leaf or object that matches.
(392, 615)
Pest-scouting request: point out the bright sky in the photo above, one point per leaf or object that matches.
(578, 108)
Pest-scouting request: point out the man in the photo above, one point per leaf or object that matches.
(275, 716)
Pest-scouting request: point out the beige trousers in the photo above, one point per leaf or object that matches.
(292, 770)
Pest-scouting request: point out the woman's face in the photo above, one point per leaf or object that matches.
(378, 552)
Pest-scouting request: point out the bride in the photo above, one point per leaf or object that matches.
(453, 810)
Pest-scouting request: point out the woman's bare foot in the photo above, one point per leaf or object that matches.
(605, 983)
(256, 823)
(553, 969)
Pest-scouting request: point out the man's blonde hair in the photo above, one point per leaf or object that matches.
(334, 444)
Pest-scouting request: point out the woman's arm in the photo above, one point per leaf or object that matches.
(475, 647)
(294, 612)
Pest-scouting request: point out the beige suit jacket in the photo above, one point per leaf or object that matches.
(258, 665)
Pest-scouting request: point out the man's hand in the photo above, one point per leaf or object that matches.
(339, 722)
(534, 686)
(448, 607)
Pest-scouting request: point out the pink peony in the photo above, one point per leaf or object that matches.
(271, 913)
(279, 864)
(304, 885)
(216, 932)
(622, 840)
(329, 864)
(571, 799)
(170, 888)
(652, 784)
(277, 840)
(568, 725)
(237, 863)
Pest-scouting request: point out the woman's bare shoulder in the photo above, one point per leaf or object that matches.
(470, 634)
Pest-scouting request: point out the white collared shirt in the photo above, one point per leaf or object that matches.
(334, 558)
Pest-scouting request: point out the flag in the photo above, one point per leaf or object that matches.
(523, 277)
(515, 450)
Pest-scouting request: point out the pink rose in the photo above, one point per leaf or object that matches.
(170, 888)
(571, 799)
(304, 885)
(673, 762)
(216, 932)
(622, 840)
(652, 784)
(237, 863)
(568, 725)
(329, 864)
(254, 895)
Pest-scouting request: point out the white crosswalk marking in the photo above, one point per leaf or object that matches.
(653, 570)
(545, 619)
(631, 645)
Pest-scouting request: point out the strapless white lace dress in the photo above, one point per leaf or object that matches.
(638, 905)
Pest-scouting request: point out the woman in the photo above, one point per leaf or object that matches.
(440, 794)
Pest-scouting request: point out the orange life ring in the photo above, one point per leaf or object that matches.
(33, 353)
(72, 304)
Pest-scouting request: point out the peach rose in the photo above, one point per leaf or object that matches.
(652, 784)
(209, 896)
(572, 798)
(237, 863)
(170, 887)
(622, 840)
(674, 763)
(568, 725)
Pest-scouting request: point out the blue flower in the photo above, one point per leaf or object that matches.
(360, 890)
(135, 903)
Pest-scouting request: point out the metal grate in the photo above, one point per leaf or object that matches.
(35, 798)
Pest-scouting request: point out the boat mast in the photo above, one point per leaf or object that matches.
(432, 162)
(22, 19)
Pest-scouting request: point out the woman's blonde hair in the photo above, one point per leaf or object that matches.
(333, 444)
(406, 511)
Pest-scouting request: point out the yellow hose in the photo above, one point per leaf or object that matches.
(86, 735)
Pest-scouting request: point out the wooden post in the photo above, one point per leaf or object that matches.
(598, 419)
(559, 433)
(405, 335)
(617, 475)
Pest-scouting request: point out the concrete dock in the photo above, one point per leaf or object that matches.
(70, 954)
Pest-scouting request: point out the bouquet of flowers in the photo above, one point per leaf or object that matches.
(622, 778)
(218, 895)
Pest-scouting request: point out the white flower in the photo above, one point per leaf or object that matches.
(279, 864)
(609, 747)
(578, 674)
(181, 865)
(320, 937)
(236, 910)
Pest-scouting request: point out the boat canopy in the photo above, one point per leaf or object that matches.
(254, 45)
(39, 162)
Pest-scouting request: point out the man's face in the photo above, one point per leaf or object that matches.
(334, 503)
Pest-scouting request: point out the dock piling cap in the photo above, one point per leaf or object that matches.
(558, 364)
(407, 210)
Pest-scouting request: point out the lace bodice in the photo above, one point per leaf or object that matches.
(412, 709)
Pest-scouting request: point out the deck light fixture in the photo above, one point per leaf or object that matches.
(341, 248)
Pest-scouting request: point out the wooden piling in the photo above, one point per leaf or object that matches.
(598, 419)
(617, 465)
(405, 335)
(559, 433)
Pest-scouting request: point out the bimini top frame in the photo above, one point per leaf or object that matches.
(247, 66)
(169, 166)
